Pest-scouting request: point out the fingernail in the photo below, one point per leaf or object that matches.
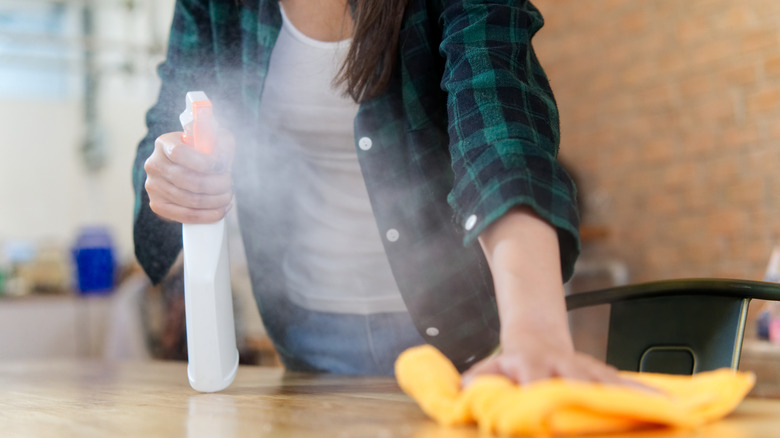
(168, 147)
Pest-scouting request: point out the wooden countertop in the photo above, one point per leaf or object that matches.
(93, 399)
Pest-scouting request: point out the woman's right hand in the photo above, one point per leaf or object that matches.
(188, 186)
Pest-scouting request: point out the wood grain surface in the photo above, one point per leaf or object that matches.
(153, 399)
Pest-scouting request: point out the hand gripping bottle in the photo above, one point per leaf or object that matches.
(211, 336)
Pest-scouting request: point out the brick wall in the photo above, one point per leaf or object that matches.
(670, 115)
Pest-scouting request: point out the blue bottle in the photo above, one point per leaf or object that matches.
(93, 255)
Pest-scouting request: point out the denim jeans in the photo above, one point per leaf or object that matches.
(312, 341)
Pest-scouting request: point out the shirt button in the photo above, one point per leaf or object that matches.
(432, 331)
(392, 234)
(365, 143)
(470, 222)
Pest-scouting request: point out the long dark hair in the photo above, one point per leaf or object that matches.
(371, 57)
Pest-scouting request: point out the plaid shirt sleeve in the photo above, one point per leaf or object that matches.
(503, 121)
(158, 241)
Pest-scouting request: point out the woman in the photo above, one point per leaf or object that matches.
(376, 143)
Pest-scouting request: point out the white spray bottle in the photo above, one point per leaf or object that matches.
(211, 335)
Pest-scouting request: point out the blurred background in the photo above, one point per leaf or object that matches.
(76, 78)
(670, 122)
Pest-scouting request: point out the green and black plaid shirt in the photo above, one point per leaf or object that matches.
(467, 129)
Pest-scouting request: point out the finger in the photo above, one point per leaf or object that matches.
(196, 182)
(186, 215)
(525, 373)
(633, 384)
(158, 166)
(591, 369)
(597, 370)
(586, 368)
(158, 187)
(188, 157)
(609, 375)
(487, 366)
(158, 161)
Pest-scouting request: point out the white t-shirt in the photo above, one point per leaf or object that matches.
(336, 261)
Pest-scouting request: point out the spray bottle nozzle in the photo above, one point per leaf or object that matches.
(198, 123)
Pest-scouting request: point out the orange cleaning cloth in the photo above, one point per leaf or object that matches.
(559, 406)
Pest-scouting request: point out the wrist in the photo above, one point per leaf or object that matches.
(549, 329)
(522, 252)
(531, 306)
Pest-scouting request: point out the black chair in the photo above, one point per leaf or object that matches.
(677, 326)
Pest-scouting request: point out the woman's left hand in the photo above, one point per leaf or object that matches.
(522, 251)
(535, 357)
